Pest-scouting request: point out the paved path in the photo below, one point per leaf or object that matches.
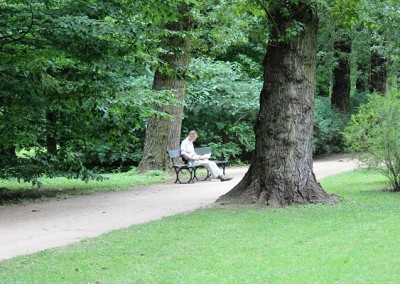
(33, 227)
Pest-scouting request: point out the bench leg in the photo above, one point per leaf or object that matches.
(177, 175)
(208, 175)
(190, 171)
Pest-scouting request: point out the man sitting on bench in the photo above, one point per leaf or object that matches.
(187, 152)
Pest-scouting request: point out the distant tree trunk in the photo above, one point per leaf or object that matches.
(163, 133)
(51, 140)
(362, 85)
(378, 73)
(341, 75)
(8, 155)
(281, 172)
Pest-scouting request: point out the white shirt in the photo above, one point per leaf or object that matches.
(187, 148)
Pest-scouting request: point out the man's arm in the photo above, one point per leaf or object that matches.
(186, 153)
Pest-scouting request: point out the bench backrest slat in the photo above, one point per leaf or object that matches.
(175, 156)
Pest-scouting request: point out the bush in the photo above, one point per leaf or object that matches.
(328, 126)
(222, 103)
(374, 134)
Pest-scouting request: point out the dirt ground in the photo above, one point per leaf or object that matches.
(33, 227)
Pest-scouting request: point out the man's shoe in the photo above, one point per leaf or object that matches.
(225, 178)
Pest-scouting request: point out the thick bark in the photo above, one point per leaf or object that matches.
(163, 134)
(341, 76)
(282, 169)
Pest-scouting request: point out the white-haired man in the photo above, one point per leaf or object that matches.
(187, 151)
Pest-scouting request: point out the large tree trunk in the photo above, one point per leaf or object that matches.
(282, 169)
(163, 133)
(341, 75)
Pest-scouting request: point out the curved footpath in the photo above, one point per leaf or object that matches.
(32, 227)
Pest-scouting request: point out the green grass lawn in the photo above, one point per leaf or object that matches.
(354, 242)
(11, 191)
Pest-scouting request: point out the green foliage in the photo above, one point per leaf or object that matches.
(222, 104)
(90, 65)
(74, 61)
(374, 135)
(345, 13)
(380, 19)
(287, 18)
(220, 25)
(328, 125)
(155, 173)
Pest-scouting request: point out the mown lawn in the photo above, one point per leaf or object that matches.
(354, 242)
(12, 191)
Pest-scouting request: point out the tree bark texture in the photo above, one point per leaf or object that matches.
(281, 172)
(163, 133)
(341, 75)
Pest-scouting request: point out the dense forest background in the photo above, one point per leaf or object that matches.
(80, 80)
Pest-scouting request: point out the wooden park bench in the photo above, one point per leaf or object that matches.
(186, 172)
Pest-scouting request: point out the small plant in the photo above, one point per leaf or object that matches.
(374, 134)
(328, 124)
(155, 173)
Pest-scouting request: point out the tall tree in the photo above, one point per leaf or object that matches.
(378, 78)
(341, 73)
(362, 59)
(66, 88)
(282, 169)
(379, 22)
(163, 133)
(212, 23)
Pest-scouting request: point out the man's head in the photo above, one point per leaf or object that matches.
(193, 135)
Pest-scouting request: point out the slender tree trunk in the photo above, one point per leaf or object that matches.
(51, 140)
(378, 74)
(341, 75)
(361, 82)
(9, 155)
(163, 133)
(281, 172)
(363, 62)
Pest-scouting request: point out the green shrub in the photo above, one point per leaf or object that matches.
(328, 126)
(222, 104)
(374, 134)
